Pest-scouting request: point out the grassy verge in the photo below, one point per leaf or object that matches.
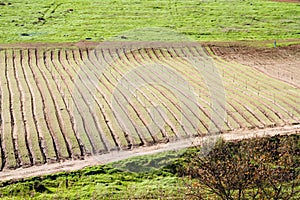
(161, 175)
(114, 181)
(209, 20)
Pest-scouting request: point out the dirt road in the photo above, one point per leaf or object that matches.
(22, 173)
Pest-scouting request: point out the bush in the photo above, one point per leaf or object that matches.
(251, 169)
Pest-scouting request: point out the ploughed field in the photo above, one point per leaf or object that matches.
(281, 63)
(71, 102)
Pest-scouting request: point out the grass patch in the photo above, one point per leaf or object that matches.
(100, 182)
(139, 177)
(209, 20)
(149, 163)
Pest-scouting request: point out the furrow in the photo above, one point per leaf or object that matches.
(44, 137)
(2, 120)
(61, 113)
(145, 56)
(101, 86)
(284, 100)
(81, 117)
(236, 99)
(66, 118)
(161, 96)
(177, 126)
(139, 106)
(183, 69)
(198, 85)
(61, 69)
(132, 138)
(23, 134)
(33, 137)
(87, 101)
(125, 61)
(13, 98)
(277, 109)
(50, 109)
(262, 108)
(32, 62)
(109, 117)
(144, 134)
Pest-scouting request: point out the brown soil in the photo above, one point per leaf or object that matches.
(281, 62)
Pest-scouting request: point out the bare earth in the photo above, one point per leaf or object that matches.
(281, 63)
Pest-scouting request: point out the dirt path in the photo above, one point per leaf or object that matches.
(120, 155)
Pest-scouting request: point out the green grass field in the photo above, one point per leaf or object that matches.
(206, 20)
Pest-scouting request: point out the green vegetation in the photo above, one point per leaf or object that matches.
(251, 169)
(99, 182)
(262, 165)
(208, 20)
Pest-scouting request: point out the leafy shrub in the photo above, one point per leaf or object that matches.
(251, 169)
